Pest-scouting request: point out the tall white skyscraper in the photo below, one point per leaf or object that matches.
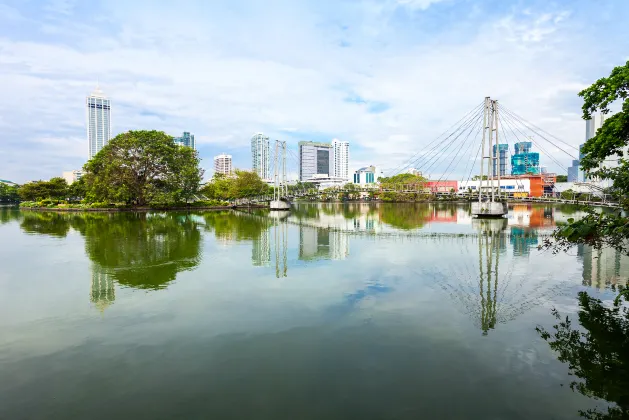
(260, 157)
(223, 164)
(340, 159)
(98, 121)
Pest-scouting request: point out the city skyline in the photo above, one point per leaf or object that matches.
(383, 75)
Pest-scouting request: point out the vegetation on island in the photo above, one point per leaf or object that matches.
(597, 352)
(9, 193)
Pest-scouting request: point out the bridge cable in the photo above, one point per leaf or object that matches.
(539, 128)
(426, 156)
(408, 162)
(441, 156)
(471, 144)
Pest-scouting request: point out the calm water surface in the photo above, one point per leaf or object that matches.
(332, 312)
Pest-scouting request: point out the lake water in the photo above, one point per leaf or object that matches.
(356, 311)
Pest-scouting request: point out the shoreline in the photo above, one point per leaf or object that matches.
(137, 209)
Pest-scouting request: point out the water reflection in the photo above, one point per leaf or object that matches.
(597, 353)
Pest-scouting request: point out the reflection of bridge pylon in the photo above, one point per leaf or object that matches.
(280, 233)
(493, 293)
(102, 291)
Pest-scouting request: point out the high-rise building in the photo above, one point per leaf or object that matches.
(340, 159)
(98, 121)
(223, 164)
(314, 159)
(186, 139)
(573, 171)
(524, 161)
(500, 151)
(260, 157)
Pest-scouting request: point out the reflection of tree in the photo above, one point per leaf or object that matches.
(237, 226)
(8, 214)
(53, 224)
(404, 216)
(598, 354)
(141, 250)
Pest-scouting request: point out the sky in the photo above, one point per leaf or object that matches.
(388, 76)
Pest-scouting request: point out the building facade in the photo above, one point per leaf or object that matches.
(573, 171)
(314, 159)
(186, 139)
(98, 112)
(500, 151)
(524, 161)
(367, 175)
(340, 159)
(260, 156)
(223, 164)
(72, 176)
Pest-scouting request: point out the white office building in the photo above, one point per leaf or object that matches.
(223, 164)
(340, 159)
(98, 113)
(260, 156)
(315, 160)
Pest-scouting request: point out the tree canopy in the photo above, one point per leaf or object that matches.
(241, 184)
(604, 229)
(9, 193)
(143, 167)
(55, 189)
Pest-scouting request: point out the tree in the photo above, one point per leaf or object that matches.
(77, 190)
(603, 229)
(55, 189)
(242, 184)
(478, 177)
(597, 354)
(9, 193)
(562, 178)
(143, 167)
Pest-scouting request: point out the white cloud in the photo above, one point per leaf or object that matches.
(224, 75)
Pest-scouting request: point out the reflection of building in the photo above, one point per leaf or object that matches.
(322, 244)
(261, 250)
(260, 157)
(102, 292)
(522, 240)
(98, 121)
(603, 267)
(223, 164)
(186, 139)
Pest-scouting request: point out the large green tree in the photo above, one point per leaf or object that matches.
(604, 229)
(143, 167)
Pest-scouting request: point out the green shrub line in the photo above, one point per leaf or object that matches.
(59, 205)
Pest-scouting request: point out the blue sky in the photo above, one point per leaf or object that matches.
(387, 76)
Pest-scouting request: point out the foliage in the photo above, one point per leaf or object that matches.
(477, 177)
(598, 355)
(9, 193)
(77, 190)
(56, 188)
(142, 167)
(405, 216)
(403, 179)
(562, 178)
(242, 184)
(603, 229)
